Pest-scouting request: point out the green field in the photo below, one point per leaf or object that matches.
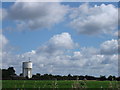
(58, 84)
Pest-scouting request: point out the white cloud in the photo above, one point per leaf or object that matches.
(63, 40)
(84, 19)
(77, 63)
(52, 57)
(3, 13)
(117, 33)
(109, 47)
(3, 43)
(57, 44)
(94, 20)
(90, 51)
(3, 40)
(0, 14)
(39, 0)
(37, 15)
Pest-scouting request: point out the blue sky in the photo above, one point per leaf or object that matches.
(70, 21)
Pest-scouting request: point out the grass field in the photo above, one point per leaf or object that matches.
(58, 84)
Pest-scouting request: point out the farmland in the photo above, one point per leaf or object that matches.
(58, 84)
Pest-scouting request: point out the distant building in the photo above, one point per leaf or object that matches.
(27, 69)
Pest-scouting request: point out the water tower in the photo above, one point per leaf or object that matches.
(27, 69)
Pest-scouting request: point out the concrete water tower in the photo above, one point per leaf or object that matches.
(27, 69)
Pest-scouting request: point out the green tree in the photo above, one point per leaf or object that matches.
(11, 71)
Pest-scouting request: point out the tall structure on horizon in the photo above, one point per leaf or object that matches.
(27, 69)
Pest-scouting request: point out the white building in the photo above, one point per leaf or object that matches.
(27, 69)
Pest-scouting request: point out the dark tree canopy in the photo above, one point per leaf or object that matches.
(9, 74)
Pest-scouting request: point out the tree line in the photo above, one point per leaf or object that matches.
(9, 74)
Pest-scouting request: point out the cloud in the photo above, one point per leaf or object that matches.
(53, 57)
(46, 56)
(3, 13)
(117, 34)
(90, 51)
(56, 60)
(3, 40)
(39, 0)
(3, 44)
(57, 44)
(76, 63)
(0, 14)
(37, 15)
(94, 20)
(63, 40)
(83, 19)
(59, 55)
(109, 47)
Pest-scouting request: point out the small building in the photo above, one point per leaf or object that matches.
(27, 69)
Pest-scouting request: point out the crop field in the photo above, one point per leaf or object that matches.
(58, 84)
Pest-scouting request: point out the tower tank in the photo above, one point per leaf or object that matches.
(27, 69)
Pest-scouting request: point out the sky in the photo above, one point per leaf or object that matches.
(61, 38)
